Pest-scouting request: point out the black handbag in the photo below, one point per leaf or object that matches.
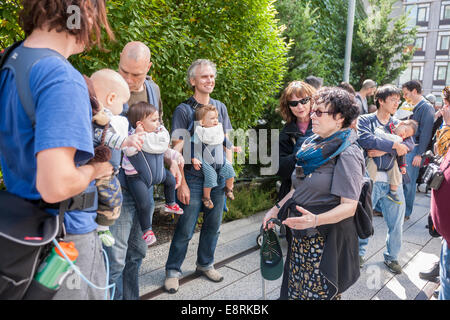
(364, 212)
(26, 234)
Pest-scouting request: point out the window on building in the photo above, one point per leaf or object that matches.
(416, 72)
(413, 72)
(411, 11)
(422, 14)
(441, 74)
(445, 13)
(419, 43)
(418, 14)
(446, 10)
(444, 42)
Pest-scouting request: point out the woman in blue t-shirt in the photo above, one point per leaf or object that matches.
(50, 161)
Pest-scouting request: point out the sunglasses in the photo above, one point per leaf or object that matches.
(294, 103)
(318, 113)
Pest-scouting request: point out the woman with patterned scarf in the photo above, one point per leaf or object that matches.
(322, 259)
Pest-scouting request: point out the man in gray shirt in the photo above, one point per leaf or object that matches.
(367, 90)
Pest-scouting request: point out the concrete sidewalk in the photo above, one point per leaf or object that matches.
(237, 258)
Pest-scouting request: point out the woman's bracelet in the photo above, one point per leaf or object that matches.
(315, 221)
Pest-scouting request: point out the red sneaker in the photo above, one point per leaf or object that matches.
(149, 237)
(174, 208)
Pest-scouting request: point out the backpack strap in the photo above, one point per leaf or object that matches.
(20, 61)
(194, 105)
(5, 52)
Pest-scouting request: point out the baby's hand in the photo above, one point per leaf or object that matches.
(403, 170)
(237, 149)
(139, 128)
(134, 140)
(196, 163)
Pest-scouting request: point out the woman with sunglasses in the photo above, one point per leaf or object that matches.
(295, 106)
(322, 259)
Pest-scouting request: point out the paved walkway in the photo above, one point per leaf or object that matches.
(237, 258)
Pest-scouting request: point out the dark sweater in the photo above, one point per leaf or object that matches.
(290, 136)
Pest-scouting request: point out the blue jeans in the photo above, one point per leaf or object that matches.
(410, 188)
(125, 257)
(393, 215)
(444, 291)
(209, 234)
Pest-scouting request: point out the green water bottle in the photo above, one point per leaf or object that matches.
(55, 268)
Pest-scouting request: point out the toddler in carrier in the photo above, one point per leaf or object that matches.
(209, 156)
(108, 92)
(146, 168)
(395, 167)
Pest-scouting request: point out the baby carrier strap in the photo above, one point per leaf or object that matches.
(150, 167)
(193, 106)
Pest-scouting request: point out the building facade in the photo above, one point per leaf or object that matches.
(431, 61)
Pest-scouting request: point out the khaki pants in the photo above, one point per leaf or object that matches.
(394, 174)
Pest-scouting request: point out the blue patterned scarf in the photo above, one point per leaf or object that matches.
(316, 151)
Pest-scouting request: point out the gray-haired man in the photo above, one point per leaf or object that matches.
(367, 90)
(201, 77)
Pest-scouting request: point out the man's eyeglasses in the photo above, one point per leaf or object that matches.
(318, 113)
(295, 103)
(394, 100)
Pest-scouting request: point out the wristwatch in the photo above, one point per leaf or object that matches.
(277, 205)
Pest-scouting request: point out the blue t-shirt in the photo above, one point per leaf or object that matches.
(63, 119)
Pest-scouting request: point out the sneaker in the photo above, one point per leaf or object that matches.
(393, 266)
(149, 237)
(107, 238)
(377, 213)
(394, 197)
(212, 274)
(171, 285)
(174, 208)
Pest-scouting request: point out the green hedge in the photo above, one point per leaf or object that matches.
(241, 37)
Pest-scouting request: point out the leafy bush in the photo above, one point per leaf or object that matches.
(250, 199)
(9, 26)
(241, 37)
